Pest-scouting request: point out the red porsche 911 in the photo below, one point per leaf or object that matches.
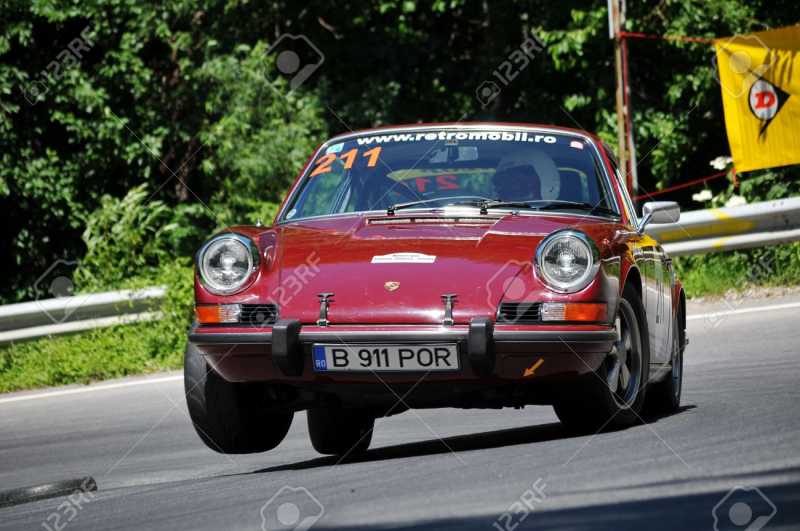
(454, 265)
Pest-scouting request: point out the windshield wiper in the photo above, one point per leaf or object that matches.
(485, 204)
(557, 204)
(464, 200)
(498, 203)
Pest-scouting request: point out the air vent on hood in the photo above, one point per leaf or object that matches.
(519, 313)
(433, 220)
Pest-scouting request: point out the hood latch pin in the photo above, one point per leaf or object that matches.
(448, 299)
(324, 301)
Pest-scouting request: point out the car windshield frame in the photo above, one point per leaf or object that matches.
(604, 178)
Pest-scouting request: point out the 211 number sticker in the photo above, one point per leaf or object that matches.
(348, 157)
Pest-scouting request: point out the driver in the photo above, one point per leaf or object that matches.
(517, 183)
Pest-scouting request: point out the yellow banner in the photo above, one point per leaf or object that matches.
(760, 79)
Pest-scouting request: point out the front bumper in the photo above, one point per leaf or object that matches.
(488, 353)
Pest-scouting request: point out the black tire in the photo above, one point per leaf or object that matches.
(664, 397)
(339, 431)
(605, 400)
(230, 418)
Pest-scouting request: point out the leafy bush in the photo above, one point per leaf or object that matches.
(130, 243)
(125, 238)
(262, 137)
(107, 352)
(149, 101)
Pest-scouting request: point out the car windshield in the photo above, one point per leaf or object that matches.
(490, 168)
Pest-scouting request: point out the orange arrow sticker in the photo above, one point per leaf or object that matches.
(530, 370)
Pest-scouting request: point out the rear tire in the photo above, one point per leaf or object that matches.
(664, 397)
(612, 397)
(339, 431)
(230, 418)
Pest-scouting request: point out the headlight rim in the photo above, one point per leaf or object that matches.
(249, 278)
(591, 270)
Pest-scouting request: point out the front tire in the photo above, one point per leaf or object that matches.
(230, 418)
(339, 431)
(613, 396)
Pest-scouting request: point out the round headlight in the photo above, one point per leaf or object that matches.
(567, 261)
(226, 263)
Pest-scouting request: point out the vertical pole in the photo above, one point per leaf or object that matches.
(616, 24)
(633, 174)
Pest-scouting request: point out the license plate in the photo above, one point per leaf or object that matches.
(368, 358)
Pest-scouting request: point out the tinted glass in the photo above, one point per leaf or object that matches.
(438, 167)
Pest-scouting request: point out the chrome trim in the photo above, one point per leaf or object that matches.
(592, 269)
(477, 127)
(254, 259)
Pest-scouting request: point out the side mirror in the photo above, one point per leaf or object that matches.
(659, 212)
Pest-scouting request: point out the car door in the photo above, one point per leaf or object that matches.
(656, 270)
(662, 279)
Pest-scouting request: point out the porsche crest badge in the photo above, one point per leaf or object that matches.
(391, 285)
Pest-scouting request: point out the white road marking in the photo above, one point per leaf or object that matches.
(90, 388)
(754, 309)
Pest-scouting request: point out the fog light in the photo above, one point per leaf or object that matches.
(218, 313)
(574, 311)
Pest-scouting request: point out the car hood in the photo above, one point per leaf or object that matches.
(395, 270)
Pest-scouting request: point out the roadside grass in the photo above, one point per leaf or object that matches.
(158, 345)
(99, 354)
(719, 273)
(111, 352)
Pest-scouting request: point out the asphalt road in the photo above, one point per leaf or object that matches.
(439, 469)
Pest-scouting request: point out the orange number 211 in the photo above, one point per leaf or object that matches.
(323, 164)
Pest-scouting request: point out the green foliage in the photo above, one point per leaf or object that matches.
(171, 121)
(716, 273)
(97, 355)
(130, 243)
(107, 352)
(124, 238)
(677, 110)
(183, 97)
(764, 185)
(177, 96)
(263, 135)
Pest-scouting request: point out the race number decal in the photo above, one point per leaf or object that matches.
(348, 158)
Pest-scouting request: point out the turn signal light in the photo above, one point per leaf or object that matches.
(218, 313)
(574, 311)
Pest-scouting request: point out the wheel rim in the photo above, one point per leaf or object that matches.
(625, 360)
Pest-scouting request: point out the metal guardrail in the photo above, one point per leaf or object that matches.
(725, 229)
(702, 231)
(29, 320)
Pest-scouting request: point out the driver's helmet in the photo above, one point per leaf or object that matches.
(517, 183)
